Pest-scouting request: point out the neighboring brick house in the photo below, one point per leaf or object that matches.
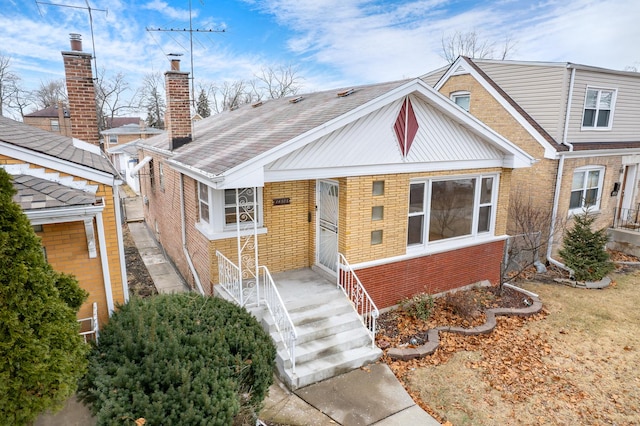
(68, 190)
(53, 119)
(579, 122)
(328, 174)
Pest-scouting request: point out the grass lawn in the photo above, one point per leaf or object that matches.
(578, 362)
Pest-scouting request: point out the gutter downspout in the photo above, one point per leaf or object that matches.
(192, 268)
(123, 264)
(106, 276)
(556, 195)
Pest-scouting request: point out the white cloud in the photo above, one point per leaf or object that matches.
(169, 11)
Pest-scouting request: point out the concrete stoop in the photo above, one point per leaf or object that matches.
(331, 341)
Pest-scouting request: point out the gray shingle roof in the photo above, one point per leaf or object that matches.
(29, 137)
(37, 193)
(228, 139)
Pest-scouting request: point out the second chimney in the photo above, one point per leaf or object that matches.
(81, 92)
(177, 117)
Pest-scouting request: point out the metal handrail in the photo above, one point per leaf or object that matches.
(282, 320)
(93, 325)
(350, 284)
(626, 218)
(229, 277)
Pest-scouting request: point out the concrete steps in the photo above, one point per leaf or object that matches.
(331, 337)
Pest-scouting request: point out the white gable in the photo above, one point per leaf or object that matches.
(370, 143)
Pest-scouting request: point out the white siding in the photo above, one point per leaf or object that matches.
(626, 112)
(372, 141)
(541, 90)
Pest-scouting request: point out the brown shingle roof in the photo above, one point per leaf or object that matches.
(228, 139)
(32, 138)
(51, 111)
(37, 193)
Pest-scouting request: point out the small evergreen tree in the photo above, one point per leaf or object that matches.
(42, 356)
(584, 250)
(202, 108)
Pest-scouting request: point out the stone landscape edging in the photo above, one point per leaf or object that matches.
(433, 334)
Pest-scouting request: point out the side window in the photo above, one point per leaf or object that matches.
(55, 126)
(586, 189)
(203, 202)
(462, 99)
(152, 175)
(598, 109)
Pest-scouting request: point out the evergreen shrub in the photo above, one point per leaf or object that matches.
(179, 359)
(584, 250)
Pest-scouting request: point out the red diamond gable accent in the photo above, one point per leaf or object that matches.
(406, 127)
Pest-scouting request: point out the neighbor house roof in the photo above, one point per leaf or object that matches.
(61, 147)
(114, 122)
(51, 112)
(132, 129)
(37, 193)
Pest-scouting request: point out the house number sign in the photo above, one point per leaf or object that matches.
(281, 201)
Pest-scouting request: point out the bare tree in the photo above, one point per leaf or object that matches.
(277, 82)
(152, 99)
(111, 98)
(20, 100)
(529, 227)
(8, 82)
(471, 44)
(50, 93)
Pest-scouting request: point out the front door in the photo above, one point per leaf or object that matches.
(626, 208)
(327, 225)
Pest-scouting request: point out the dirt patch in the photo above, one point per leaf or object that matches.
(138, 278)
(574, 363)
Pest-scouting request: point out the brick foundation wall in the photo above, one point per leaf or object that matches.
(388, 284)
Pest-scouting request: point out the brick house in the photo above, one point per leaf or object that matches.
(579, 122)
(68, 189)
(392, 177)
(53, 119)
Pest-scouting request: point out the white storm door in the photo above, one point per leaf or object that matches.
(327, 225)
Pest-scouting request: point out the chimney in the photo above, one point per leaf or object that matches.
(177, 117)
(81, 92)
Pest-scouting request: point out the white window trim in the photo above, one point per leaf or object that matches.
(161, 175)
(216, 229)
(595, 208)
(463, 241)
(614, 97)
(459, 94)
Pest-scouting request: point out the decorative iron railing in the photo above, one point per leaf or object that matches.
(230, 278)
(348, 281)
(627, 219)
(89, 326)
(280, 316)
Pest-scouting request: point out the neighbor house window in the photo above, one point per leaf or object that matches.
(219, 210)
(203, 202)
(113, 139)
(55, 126)
(152, 175)
(441, 209)
(462, 99)
(586, 189)
(598, 108)
(161, 175)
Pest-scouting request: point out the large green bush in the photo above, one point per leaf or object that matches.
(179, 359)
(42, 356)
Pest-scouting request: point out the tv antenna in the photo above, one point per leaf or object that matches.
(88, 8)
(189, 30)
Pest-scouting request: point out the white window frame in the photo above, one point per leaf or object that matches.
(614, 95)
(113, 139)
(55, 125)
(161, 175)
(461, 94)
(215, 228)
(596, 206)
(462, 240)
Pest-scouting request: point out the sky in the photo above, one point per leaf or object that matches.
(330, 43)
